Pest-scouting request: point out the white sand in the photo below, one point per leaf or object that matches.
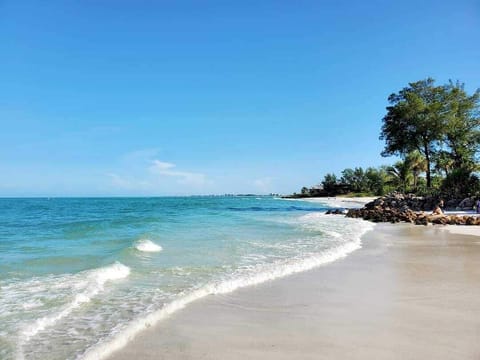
(463, 230)
(341, 202)
(410, 293)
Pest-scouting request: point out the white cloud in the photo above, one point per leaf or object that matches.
(163, 168)
(142, 172)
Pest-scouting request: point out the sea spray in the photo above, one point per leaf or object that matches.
(91, 283)
(146, 245)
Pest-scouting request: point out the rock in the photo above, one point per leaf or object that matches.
(471, 220)
(336, 212)
(438, 219)
(421, 220)
(406, 208)
(452, 203)
(467, 203)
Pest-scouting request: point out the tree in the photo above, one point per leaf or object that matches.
(355, 178)
(417, 165)
(305, 191)
(414, 121)
(461, 124)
(460, 183)
(376, 179)
(400, 175)
(329, 183)
(348, 177)
(444, 163)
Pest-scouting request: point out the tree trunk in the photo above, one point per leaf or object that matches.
(427, 158)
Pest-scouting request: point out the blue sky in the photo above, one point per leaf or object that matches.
(112, 97)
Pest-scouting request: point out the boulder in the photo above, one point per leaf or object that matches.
(409, 208)
(467, 203)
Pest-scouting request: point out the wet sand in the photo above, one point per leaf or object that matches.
(411, 292)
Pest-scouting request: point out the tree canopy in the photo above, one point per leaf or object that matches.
(440, 122)
(435, 129)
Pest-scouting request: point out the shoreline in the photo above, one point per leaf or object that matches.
(273, 271)
(339, 201)
(409, 292)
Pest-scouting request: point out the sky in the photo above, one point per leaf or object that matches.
(152, 98)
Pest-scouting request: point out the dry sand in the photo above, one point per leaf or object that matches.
(341, 202)
(410, 293)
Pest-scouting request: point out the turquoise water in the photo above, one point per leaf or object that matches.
(79, 276)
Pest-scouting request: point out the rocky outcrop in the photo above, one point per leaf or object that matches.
(467, 203)
(336, 212)
(408, 208)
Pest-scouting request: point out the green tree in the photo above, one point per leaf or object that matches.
(348, 177)
(417, 165)
(376, 180)
(461, 124)
(460, 183)
(355, 179)
(444, 163)
(414, 121)
(400, 175)
(329, 182)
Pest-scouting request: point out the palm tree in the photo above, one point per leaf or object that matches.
(400, 175)
(444, 163)
(417, 164)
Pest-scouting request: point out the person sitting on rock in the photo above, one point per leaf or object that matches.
(437, 210)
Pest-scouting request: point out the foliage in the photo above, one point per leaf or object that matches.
(417, 165)
(414, 121)
(376, 180)
(400, 175)
(436, 129)
(436, 132)
(460, 183)
(461, 125)
(329, 182)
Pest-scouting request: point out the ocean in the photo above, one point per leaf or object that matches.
(80, 276)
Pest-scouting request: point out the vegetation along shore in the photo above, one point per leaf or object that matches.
(434, 130)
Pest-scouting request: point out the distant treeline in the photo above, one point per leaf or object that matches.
(369, 181)
(435, 131)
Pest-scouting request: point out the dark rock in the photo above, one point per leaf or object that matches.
(407, 208)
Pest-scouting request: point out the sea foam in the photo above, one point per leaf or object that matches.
(261, 274)
(89, 283)
(147, 246)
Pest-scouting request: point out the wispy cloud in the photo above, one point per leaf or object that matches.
(143, 174)
(163, 168)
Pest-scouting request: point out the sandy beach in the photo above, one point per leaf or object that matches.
(410, 293)
(341, 202)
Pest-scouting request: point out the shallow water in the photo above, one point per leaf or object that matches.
(79, 276)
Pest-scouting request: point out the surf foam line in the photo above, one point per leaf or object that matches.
(147, 246)
(119, 340)
(94, 283)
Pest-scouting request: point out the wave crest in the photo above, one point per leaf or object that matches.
(90, 283)
(147, 246)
